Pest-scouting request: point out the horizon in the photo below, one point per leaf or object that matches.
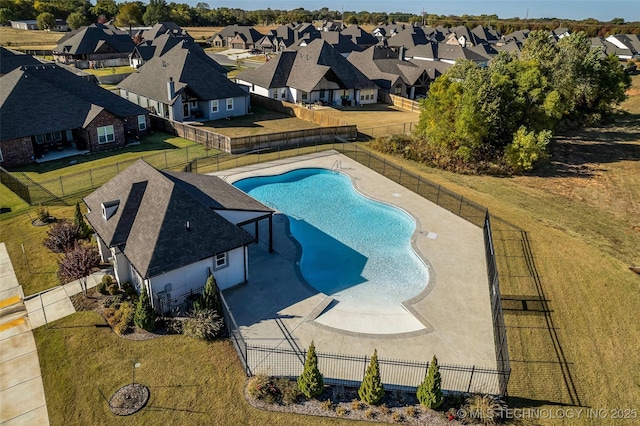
(577, 10)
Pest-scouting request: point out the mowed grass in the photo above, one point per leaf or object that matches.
(13, 38)
(191, 382)
(261, 122)
(377, 119)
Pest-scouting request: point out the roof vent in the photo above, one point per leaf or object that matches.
(109, 208)
(187, 226)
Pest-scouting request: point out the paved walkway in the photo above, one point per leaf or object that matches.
(22, 398)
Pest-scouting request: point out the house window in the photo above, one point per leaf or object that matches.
(214, 106)
(398, 89)
(304, 96)
(362, 97)
(221, 261)
(106, 134)
(283, 94)
(39, 139)
(229, 104)
(321, 95)
(142, 122)
(275, 94)
(57, 136)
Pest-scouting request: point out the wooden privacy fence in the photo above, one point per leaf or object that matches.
(235, 145)
(316, 116)
(402, 103)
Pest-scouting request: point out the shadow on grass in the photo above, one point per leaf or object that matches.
(576, 155)
(184, 410)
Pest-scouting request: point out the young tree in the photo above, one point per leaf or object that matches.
(78, 265)
(62, 237)
(209, 298)
(46, 21)
(145, 316)
(371, 390)
(311, 382)
(429, 392)
(108, 8)
(76, 20)
(84, 230)
(526, 149)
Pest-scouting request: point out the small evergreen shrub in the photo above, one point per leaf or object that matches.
(311, 382)
(209, 297)
(104, 284)
(205, 324)
(371, 390)
(145, 316)
(113, 289)
(429, 392)
(84, 230)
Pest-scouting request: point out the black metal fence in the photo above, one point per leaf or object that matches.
(16, 185)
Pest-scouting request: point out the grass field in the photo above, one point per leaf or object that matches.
(261, 122)
(28, 40)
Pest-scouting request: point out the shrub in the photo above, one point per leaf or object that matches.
(371, 390)
(130, 291)
(341, 411)
(113, 289)
(288, 389)
(62, 237)
(104, 284)
(429, 392)
(42, 213)
(370, 413)
(411, 411)
(261, 387)
(327, 405)
(120, 318)
(311, 382)
(485, 409)
(397, 417)
(356, 404)
(145, 316)
(205, 324)
(526, 149)
(84, 230)
(209, 298)
(384, 409)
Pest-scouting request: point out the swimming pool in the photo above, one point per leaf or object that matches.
(353, 248)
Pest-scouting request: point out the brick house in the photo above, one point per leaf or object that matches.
(46, 108)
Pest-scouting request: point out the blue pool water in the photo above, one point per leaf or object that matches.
(353, 248)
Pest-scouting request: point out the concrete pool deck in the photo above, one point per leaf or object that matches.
(451, 318)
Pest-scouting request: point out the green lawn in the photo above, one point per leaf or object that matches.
(262, 121)
(191, 382)
(125, 69)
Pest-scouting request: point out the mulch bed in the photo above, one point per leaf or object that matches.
(129, 399)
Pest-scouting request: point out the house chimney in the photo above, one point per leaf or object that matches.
(401, 53)
(171, 88)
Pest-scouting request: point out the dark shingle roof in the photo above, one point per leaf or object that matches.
(188, 68)
(359, 36)
(46, 98)
(96, 38)
(250, 34)
(304, 68)
(341, 42)
(161, 28)
(10, 60)
(162, 44)
(149, 225)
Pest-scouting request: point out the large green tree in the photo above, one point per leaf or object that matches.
(107, 8)
(157, 11)
(130, 14)
(76, 20)
(46, 21)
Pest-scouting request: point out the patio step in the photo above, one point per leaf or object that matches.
(320, 308)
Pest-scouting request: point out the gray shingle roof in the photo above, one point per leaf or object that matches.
(359, 36)
(273, 74)
(96, 38)
(150, 224)
(46, 98)
(160, 28)
(10, 60)
(188, 68)
(250, 34)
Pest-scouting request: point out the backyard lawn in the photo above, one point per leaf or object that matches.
(377, 119)
(13, 38)
(262, 121)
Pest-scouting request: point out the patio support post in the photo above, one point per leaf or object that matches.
(271, 233)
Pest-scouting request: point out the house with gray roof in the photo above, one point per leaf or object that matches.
(630, 42)
(168, 231)
(10, 60)
(311, 74)
(94, 45)
(158, 47)
(161, 28)
(393, 74)
(46, 108)
(185, 84)
(359, 36)
(236, 37)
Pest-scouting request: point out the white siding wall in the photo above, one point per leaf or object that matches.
(120, 266)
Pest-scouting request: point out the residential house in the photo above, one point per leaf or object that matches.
(95, 45)
(236, 37)
(32, 24)
(161, 28)
(185, 84)
(312, 74)
(158, 47)
(392, 73)
(359, 36)
(45, 108)
(341, 42)
(517, 36)
(560, 32)
(462, 36)
(630, 42)
(607, 48)
(167, 232)
(486, 35)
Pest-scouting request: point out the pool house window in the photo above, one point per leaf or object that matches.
(221, 260)
(229, 104)
(106, 134)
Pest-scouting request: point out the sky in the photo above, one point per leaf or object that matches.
(603, 10)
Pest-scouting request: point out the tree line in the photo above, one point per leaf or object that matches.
(82, 12)
(500, 118)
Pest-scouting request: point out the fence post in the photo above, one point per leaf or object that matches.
(460, 208)
(384, 166)
(166, 165)
(91, 178)
(118, 167)
(438, 196)
(418, 188)
(473, 369)
(364, 371)
(61, 186)
(400, 178)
